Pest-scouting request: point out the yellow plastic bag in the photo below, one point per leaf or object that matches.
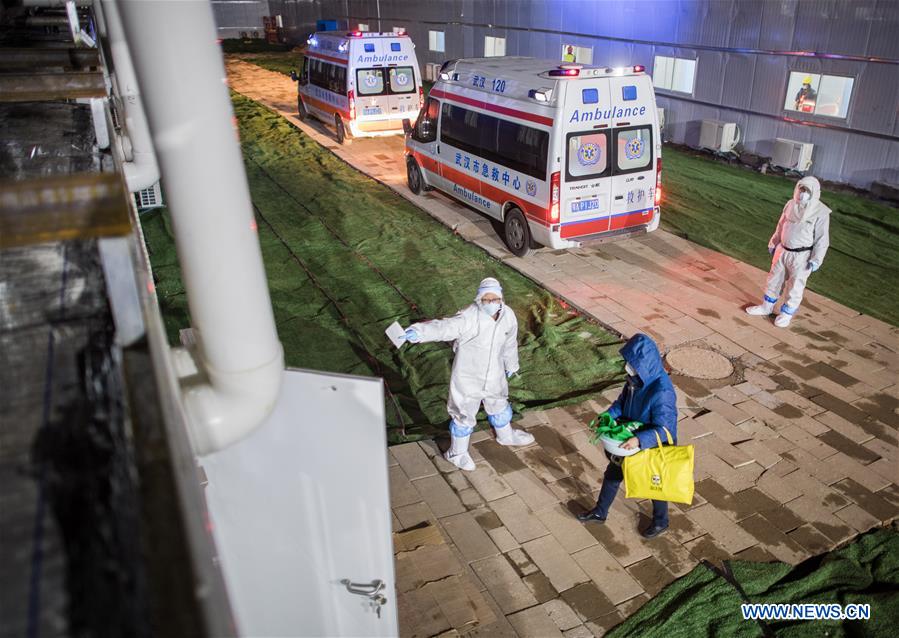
(663, 473)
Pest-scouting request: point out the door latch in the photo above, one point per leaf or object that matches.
(371, 590)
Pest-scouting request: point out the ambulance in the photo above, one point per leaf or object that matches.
(363, 84)
(561, 154)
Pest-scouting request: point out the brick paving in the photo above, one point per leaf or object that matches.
(796, 452)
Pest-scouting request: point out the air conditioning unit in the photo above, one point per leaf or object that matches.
(149, 197)
(432, 71)
(719, 136)
(792, 155)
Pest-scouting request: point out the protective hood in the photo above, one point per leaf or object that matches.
(800, 213)
(641, 352)
(489, 284)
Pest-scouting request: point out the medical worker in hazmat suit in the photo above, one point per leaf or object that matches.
(798, 246)
(485, 340)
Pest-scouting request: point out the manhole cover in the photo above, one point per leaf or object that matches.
(699, 363)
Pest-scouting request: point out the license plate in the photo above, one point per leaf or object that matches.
(374, 110)
(587, 204)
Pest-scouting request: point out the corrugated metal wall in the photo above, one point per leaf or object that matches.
(234, 17)
(742, 48)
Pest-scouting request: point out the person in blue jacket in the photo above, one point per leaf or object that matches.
(647, 397)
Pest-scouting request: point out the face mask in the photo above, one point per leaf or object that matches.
(804, 197)
(491, 308)
(630, 370)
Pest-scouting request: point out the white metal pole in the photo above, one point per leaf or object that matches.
(182, 77)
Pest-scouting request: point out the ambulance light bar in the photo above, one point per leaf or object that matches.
(354, 34)
(639, 68)
(566, 70)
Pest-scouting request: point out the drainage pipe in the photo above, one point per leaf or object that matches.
(190, 116)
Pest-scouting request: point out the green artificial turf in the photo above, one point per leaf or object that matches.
(706, 602)
(735, 211)
(345, 256)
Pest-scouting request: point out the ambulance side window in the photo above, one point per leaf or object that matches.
(426, 125)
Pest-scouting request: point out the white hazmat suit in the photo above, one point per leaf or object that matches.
(798, 246)
(486, 348)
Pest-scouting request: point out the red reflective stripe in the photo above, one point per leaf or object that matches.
(626, 220)
(522, 115)
(587, 228)
(495, 194)
(426, 162)
(327, 58)
(324, 106)
(633, 219)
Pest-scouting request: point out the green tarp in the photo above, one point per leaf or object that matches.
(345, 256)
(706, 602)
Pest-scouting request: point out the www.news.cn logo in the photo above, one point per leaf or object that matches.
(772, 611)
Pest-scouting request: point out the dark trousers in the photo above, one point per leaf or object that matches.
(611, 480)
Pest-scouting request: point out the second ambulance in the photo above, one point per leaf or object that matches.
(561, 154)
(364, 84)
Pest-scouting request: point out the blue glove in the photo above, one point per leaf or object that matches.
(412, 335)
(813, 266)
(509, 375)
(771, 250)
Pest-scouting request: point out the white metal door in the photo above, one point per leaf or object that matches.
(301, 506)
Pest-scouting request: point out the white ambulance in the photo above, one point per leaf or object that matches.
(561, 154)
(364, 84)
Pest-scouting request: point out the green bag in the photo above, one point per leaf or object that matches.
(605, 425)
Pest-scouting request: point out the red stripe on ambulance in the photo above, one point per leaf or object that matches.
(495, 108)
(326, 58)
(324, 106)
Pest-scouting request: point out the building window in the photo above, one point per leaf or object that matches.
(363, 27)
(574, 53)
(436, 41)
(819, 94)
(494, 47)
(674, 74)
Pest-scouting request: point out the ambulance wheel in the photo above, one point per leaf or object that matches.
(516, 233)
(414, 178)
(340, 129)
(302, 113)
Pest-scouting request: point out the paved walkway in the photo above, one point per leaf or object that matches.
(796, 450)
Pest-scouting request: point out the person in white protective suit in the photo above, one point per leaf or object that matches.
(485, 340)
(798, 246)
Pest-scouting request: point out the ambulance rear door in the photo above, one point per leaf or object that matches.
(632, 144)
(403, 78)
(586, 186)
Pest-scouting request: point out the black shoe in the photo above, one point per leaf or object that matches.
(653, 530)
(586, 517)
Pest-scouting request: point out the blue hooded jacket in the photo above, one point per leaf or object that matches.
(649, 399)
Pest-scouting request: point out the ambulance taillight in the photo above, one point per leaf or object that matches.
(421, 98)
(554, 189)
(352, 99)
(658, 181)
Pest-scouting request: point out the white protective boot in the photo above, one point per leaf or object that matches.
(783, 320)
(762, 310)
(510, 436)
(457, 454)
